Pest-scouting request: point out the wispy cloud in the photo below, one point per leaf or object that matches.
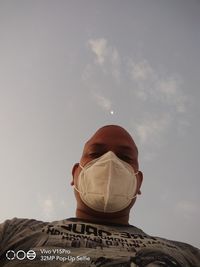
(169, 92)
(152, 85)
(162, 94)
(115, 64)
(141, 71)
(150, 129)
(99, 48)
(106, 56)
(103, 102)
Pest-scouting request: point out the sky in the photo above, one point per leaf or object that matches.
(70, 67)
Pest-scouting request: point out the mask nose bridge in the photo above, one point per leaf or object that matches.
(108, 187)
(112, 154)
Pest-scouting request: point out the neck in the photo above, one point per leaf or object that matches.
(98, 217)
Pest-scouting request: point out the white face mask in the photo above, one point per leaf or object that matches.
(107, 184)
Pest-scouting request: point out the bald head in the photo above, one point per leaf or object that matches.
(111, 138)
(114, 130)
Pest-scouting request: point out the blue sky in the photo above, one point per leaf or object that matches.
(70, 67)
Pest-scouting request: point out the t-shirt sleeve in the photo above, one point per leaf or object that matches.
(3, 229)
(11, 230)
(192, 253)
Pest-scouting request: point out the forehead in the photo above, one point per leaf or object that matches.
(112, 136)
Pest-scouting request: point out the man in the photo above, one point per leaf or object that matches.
(106, 183)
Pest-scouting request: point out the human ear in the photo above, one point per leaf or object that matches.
(73, 172)
(139, 180)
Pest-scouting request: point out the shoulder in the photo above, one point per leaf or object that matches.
(20, 230)
(15, 225)
(19, 222)
(181, 251)
(187, 248)
(191, 253)
(181, 245)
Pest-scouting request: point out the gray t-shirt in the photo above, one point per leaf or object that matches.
(75, 242)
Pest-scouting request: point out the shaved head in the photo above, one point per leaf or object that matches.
(114, 138)
(116, 129)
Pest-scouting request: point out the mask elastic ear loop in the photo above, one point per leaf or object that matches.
(81, 166)
(136, 180)
(134, 196)
(75, 186)
(77, 189)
